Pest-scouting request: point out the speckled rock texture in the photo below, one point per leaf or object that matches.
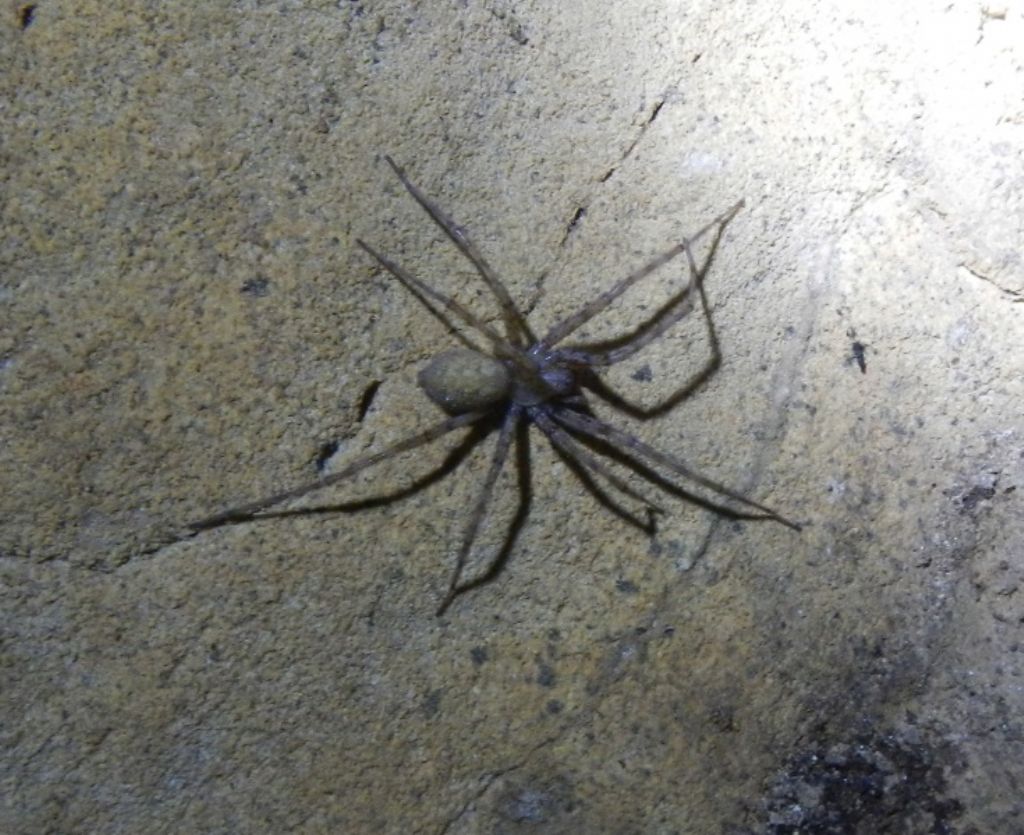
(188, 324)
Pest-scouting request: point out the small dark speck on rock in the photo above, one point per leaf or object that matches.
(577, 217)
(366, 401)
(859, 358)
(554, 706)
(643, 374)
(25, 14)
(672, 548)
(626, 586)
(324, 455)
(545, 674)
(478, 655)
(432, 704)
(723, 718)
(518, 34)
(529, 806)
(257, 287)
(977, 494)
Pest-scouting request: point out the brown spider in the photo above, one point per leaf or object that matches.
(529, 379)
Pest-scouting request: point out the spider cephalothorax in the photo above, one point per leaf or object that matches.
(538, 380)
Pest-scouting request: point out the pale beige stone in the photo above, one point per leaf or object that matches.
(188, 324)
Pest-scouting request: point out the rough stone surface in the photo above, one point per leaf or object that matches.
(188, 324)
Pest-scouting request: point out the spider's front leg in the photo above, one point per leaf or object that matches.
(588, 359)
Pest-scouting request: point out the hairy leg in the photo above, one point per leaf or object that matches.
(596, 356)
(587, 358)
(617, 438)
(476, 516)
(564, 442)
(421, 289)
(516, 328)
(562, 329)
(669, 317)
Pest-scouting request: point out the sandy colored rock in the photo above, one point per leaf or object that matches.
(188, 325)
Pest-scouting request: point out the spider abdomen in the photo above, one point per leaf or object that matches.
(461, 380)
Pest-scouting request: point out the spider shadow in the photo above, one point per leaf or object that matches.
(454, 458)
(650, 475)
(524, 472)
(589, 380)
(451, 462)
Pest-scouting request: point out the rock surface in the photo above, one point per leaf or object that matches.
(189, 325)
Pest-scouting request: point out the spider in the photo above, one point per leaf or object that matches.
(524, 380)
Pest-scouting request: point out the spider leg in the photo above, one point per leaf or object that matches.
(595, 384)
(709, 323)
(675, 311)
(598, 356)
(469, 441)
(562, 329)
(247, 511)
(476, 516)
(422, 290)
(516, 328)
(603, 431)
(444, 320)
(564, 442)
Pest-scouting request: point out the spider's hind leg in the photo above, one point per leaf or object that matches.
(479, 511)
(599, 430)
(245, 512)
(586, 465)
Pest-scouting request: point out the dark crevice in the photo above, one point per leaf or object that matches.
(26, 14)
(579, 214)
(1015, 294)
(257, 286)
(366, 401)
(325, 454)
(636, 140)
